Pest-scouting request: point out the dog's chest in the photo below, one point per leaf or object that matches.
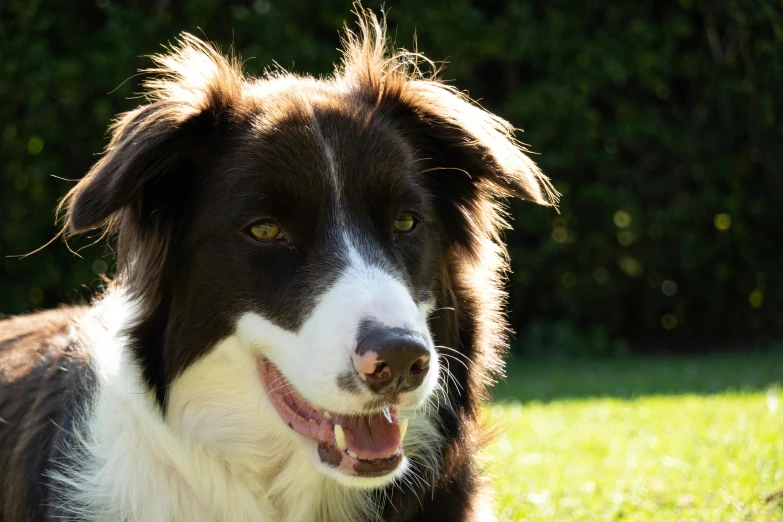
(134, 479)
(133, 469)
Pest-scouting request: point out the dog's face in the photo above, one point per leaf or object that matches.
(287, 239)
(316, 242)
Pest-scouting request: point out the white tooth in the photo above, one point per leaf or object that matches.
(386, 414)
(352, 454)
(403, 428)
(327, 416)
(339, 436)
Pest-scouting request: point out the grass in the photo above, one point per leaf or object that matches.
(666, 439)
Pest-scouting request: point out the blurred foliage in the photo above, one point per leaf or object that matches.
(561, 339)
(661, 124)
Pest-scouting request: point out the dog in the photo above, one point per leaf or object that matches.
(306, 312)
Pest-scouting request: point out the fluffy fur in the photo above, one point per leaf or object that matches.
(149, 406)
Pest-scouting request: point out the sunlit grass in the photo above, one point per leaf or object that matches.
(711, 456)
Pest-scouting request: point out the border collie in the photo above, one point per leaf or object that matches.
(306, 311)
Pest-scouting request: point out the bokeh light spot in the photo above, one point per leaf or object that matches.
(35, 146)
(630, 266)
(100, 266)
(669, 321)
(568, 280)
(756, 298)
(722, 222)
(622, 218)
(669, 288)
(559, 235)
(35, 295)
(625, 238)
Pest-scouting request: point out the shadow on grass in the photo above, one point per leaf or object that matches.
(548, 380)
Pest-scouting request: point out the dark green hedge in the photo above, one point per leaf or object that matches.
(661, 124)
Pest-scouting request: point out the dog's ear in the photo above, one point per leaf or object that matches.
(146, 144)
(469, 158)
(457, 135)
(192, 87)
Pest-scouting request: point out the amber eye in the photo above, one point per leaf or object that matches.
(265, 231)
(405, 223)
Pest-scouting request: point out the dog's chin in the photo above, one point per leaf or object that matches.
(356, 481)
(360, 451)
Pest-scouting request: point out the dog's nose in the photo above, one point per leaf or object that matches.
(392, 360)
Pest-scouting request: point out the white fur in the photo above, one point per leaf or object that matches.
(222, 453)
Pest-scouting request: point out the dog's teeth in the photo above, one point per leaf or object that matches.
(352, 454)
(386, 414)
(327, 416)
(339, 436)
(403, 428)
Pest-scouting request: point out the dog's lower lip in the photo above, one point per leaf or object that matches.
(367, 445)
(360, 467)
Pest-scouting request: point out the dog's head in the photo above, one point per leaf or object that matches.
(287, 239)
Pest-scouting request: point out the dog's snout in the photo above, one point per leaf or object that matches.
(392, 360)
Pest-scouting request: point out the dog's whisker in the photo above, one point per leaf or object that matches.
(456, 352)
(448, 373)
(459, 361)
(443, 308)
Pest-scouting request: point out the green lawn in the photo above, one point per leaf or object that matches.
(668, 439)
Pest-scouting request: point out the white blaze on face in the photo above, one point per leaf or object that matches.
(313, 358)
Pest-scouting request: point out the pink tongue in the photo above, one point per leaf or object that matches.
(371, 436)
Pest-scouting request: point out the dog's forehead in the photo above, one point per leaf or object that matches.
(316, 151)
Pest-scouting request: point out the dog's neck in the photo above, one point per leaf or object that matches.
(215, 455)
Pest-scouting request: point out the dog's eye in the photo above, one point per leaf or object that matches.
(265, 231)
(405, 223)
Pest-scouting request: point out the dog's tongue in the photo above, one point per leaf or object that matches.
(374, 436)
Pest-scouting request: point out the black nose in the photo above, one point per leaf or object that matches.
(392, 360)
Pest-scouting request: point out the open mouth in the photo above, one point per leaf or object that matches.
(357, 445)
